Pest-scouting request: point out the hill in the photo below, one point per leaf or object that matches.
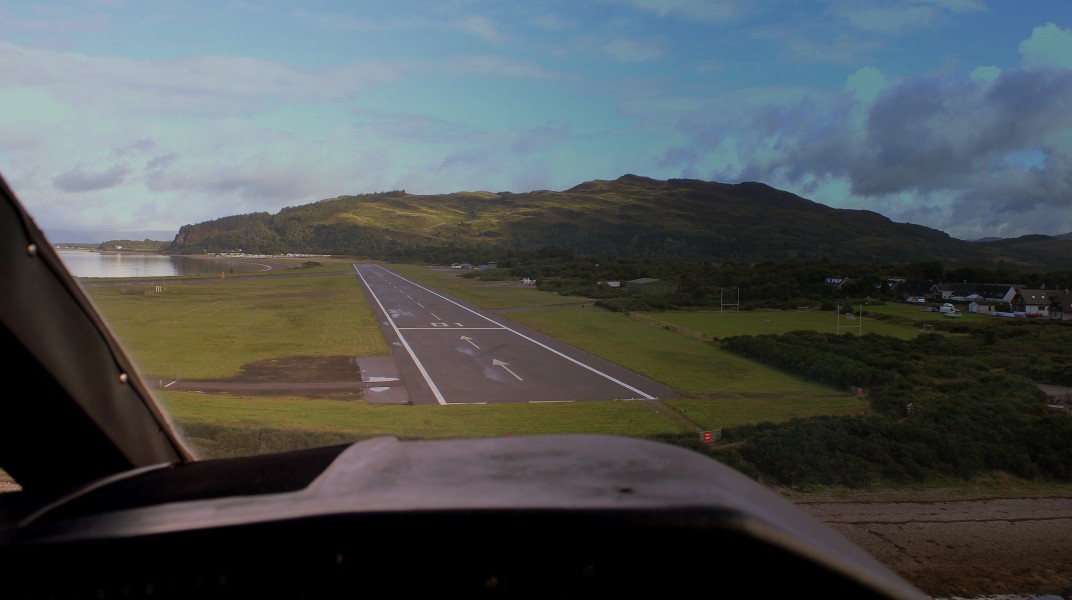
(631, 216)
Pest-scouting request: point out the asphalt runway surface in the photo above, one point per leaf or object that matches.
(450, 352)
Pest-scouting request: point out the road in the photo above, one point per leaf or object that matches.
(450, 352)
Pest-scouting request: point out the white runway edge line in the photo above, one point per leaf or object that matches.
(420, 367)
(518, 333)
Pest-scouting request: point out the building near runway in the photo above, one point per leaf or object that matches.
(647, 286)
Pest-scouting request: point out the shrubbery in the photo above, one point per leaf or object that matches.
(944, 406)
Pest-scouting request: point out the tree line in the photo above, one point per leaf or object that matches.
(705, 284)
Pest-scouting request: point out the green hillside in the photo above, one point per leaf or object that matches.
(631, 216)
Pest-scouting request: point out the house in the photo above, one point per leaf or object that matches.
(987, 296)
(944, 291)
(997, 292)
(1061, 305)
(462, 266)
(835, 280)
(967, 292)
(1032, 303)
(917, 291)
(647, 286)
(611, 284)
(984, 306)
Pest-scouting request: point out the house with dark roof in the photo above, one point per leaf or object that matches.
(1032, 303)
(1061, 305)
(943, 291)
(969, 292)
(917, 291)
(997, 292)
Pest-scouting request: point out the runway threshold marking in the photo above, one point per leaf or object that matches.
(446, 327)
(420, 366)
(500, 325)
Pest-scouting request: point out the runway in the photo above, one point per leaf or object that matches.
(449, 352)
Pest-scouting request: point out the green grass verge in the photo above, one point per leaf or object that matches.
(729, 323)
(918, 314)
(685, 364)
(431, 421)
(209, 329)
(713, 414)
(325, 421)
(486, 294)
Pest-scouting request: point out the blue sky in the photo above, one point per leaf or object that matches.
(150, 114)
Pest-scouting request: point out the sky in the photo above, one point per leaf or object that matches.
(137, 115)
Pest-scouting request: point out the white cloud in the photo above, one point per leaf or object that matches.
(1048, 45)
(345, 22)
(985, 74)
(889, 19)
(205, 85)
(866, 83)
(483, 28)
(500, 67)
(961, 5)
(796, 46)
(28, 114)
(552, 23)
(626, 50)
(713, 11)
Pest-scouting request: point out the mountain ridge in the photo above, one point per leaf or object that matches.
(631, 216)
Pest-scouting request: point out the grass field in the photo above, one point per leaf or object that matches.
(363, 420)
(210, 328)
(730, 323)
(902, 321)
(685, 364)
(486, 294)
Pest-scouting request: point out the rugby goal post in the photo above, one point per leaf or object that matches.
(859, 321)
(722, 304)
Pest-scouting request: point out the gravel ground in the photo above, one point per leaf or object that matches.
(983, 548)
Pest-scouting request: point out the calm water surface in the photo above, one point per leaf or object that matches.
(83, 263)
